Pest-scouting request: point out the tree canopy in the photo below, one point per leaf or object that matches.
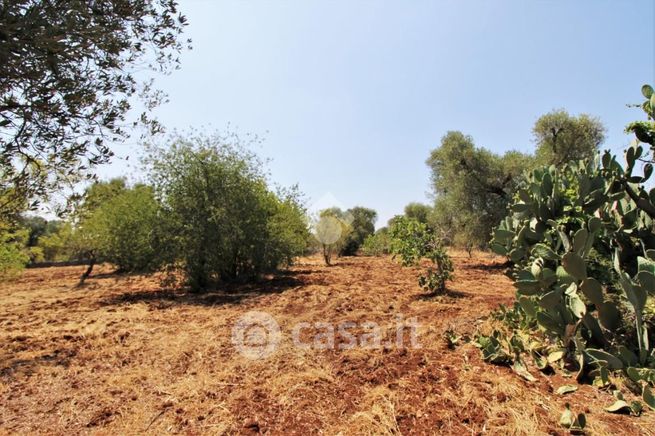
(68, 72)
(561, 137)
(472, 185)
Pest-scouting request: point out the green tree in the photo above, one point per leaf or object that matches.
(223, 221)
(377, 244)
(331, 231)
(68, 74)
(362, 224)
(14, 254)
(472, 187)
(561, 137)
(418, 211)
(413, 241)
(125, 230)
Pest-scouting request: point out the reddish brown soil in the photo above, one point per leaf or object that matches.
(122, 355)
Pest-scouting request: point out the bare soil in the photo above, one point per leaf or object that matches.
(123, 355)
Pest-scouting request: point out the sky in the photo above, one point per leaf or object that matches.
(350, 96)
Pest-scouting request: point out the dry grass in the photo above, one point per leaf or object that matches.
(123, 356)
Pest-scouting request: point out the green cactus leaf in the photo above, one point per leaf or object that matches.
(575, 424)
(648, 171)
(503, 236)
(609, 316)
(525, 275)
(617, 262)
(613, 362)
(566, 389)
(634, 374)
(644, 264)
(563, 277)
(568, 418)
(516, 255)
(542, 250)
(520, 368)
(648, 397)
(498, 249)
(594, 327)
(547, 185)
(549, 323)
(524, 195)
(528, 306)
(575, 266)
(548, 278)
(520, 207)
(647, 91)
(592, 289)
(636, 295)
(527, 287)
(556, 355)
(550, 299)
(539, 361)
(636, 407)
(577, 306)
(619, 406)
(627, 357)
(594, 224)
(647, 281)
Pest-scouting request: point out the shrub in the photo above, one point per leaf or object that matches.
(222, 220)
(13, 252)
(125, 227)
(567, 226)
(331, 231)
(362, 224)
(377, 244)
(412, 241)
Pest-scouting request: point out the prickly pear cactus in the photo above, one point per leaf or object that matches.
(582, 244)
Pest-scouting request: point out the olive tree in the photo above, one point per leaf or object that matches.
(68, 75)
(362, 224)
(223, 222)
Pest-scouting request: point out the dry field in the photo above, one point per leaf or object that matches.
(124, 356)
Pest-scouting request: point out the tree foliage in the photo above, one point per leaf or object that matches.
(561, 137)
(418, 211)
(223, 221)
(67, 75)
(362, 224)
(413, 241)
(125, 230)
(377, 244)
(331, 231)
(14, 254)
(472, 186)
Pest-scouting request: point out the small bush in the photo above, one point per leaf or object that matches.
(376, 244)
(412, 241)
(13, 252)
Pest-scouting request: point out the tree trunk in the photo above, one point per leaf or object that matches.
(87, 273)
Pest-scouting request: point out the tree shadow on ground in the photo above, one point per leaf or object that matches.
(226, 293)
(12, 368)
(449, 293)
(492, 267)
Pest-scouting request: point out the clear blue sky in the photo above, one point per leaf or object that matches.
(352, 95)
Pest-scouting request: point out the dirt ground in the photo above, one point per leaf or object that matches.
(124, 356)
